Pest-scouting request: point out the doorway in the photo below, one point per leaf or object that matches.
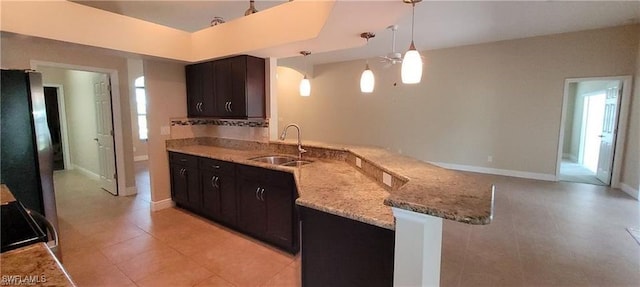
(55, 127)
(593, 123)
(82, 124)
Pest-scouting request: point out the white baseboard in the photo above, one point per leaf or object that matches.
(162, 204)
(570, 157)
(141, 158)
(130, 190)
(630, 191)
(86, 172)
(505, 172)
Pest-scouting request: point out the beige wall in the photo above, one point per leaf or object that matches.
(81, 120)
(166, 99)
(500, 99)
(569, 136)
(18, 51)
(136, 70)
(631, 168)
(80, 115)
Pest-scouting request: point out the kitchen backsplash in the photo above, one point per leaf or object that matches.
(253, 130)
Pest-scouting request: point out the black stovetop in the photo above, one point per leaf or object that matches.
(18, 228)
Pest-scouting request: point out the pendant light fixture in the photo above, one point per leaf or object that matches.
(305, 84)
(252, 8)
(412, 62)
(367, 80)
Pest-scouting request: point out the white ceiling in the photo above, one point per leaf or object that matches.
(188, 16)
(439, 24)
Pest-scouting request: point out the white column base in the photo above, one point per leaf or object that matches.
(417, 249)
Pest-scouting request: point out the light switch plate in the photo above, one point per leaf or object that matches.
(358, 162)
(386, 178)
(165, 130)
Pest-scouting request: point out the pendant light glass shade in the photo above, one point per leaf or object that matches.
(411, 66)
(305, 84)
(411, 72)
(305, 87)
(367, 81)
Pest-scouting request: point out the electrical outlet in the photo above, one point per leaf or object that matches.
(358, 162)
(490, 158)
(386, 178)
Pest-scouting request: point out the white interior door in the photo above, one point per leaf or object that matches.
(104, 138)
(608, 136)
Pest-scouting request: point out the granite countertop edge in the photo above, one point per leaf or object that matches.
(467, 202)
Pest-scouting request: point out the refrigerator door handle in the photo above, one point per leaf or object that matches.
(39, 218)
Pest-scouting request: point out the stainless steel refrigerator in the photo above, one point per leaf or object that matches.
(26, 156)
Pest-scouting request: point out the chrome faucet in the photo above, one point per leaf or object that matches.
(284, 135)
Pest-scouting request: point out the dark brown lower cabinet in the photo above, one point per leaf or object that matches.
(219, 200)
(337, 251)
(185, 184)
(266, 206)
(257, 201)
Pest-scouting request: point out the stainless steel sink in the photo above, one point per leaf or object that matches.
(283, 160)
(296, 162)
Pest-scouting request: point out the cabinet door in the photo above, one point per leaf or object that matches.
(194, 192)
(223, 87)
(252, 210)
(238, 97)
(228, 199)
(194, 79)
(210, 184)
(279, 201)
(208, 107)
(179, 184)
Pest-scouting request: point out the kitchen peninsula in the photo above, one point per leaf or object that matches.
(360, 184)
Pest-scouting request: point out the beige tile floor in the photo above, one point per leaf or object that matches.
(543, 234)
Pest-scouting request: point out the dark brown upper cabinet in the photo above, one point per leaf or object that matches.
(200, 100)
(231, 88)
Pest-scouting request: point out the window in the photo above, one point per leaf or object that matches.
(141, 104)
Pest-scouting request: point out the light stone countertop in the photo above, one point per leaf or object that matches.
(34, 264)
(5, 195)
(333, 183)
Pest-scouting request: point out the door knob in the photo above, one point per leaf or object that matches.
(95, 139)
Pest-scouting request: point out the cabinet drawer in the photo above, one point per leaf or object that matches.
(183, 159)
(216, 165)
(272, 177)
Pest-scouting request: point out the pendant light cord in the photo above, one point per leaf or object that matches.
(413, 18)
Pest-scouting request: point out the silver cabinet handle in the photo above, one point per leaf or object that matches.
(226, 106)
(213, 181)
(262, 194)
(217, 182)
(230, 107)
(215, 166)
(198, 107)
(257, 190)
(181, 171)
